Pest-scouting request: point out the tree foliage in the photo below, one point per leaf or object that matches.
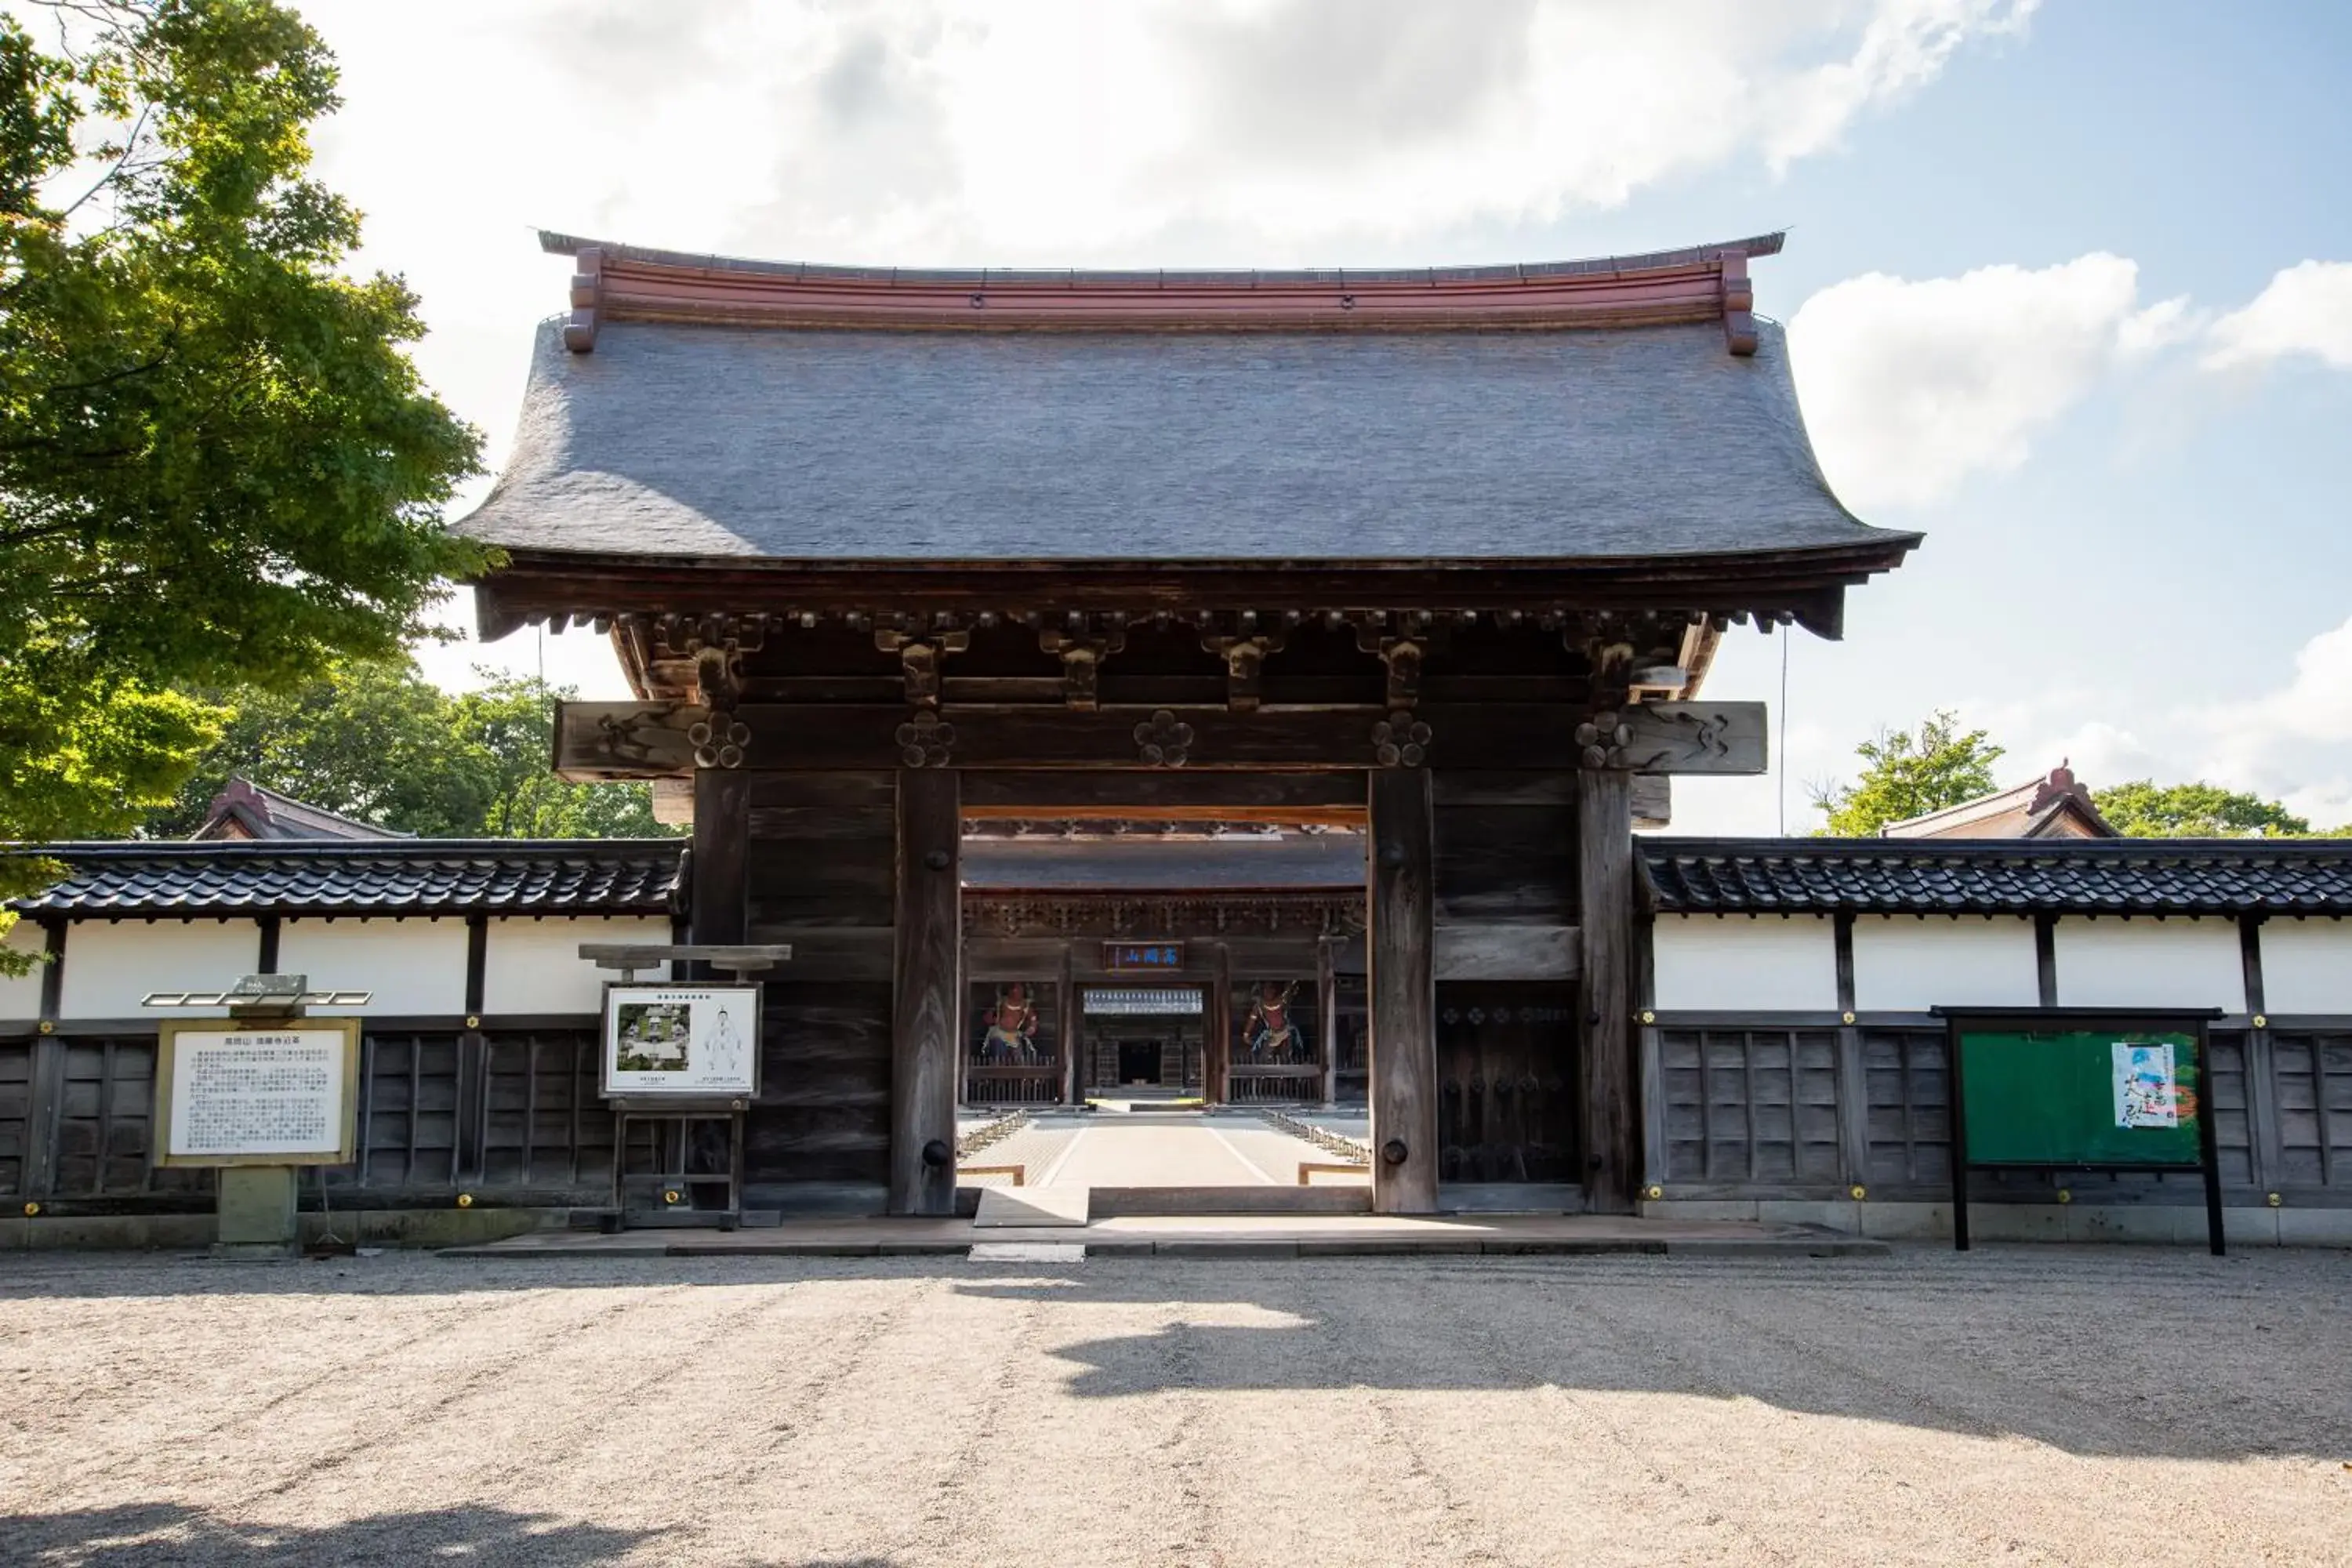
(1909, 773)
(218, 465)
(376, 742)
(2144, 809)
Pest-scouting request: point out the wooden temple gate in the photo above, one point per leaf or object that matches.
(1438, 556)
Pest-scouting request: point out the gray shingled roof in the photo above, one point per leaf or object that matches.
(714, 441)
(2115, 876)
(330, 877)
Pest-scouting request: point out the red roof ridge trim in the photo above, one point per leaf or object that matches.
(1701, 283)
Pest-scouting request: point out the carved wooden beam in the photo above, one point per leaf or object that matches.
(647, 740)
(1677, 738)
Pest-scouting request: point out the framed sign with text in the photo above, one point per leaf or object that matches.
(237, 1093)
(1147, 957)
(688, 1041)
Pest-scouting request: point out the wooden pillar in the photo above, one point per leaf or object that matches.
(1604, 865)
(1853, 1075)
(923, 1019)
(2266, 1156)
(1065, 1006)
(1402, 984)
(721, 897)
(1326, 1015)
(1217, 1031)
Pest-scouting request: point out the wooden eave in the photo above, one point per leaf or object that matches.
(560, 588)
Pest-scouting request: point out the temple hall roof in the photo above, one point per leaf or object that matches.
(706, 409)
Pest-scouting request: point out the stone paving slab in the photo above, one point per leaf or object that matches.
(1227, 1235)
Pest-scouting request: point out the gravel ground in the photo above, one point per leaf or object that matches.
(2020, 1405)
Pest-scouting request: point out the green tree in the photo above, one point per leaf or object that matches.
(2143, 809)
(1909, 773)
(218, 465)
(377, 742)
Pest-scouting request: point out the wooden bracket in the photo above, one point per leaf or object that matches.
(1082, 656)
(1401, 650)
(1244, 660)
(587, 297)
(920, 654)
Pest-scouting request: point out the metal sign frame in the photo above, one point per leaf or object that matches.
(2194, 1022)
(607, 1053)
(167, 1042)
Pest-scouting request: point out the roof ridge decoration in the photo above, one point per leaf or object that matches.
(1698, 283)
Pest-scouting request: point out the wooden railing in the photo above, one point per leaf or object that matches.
(1249, 1083)
(1024, 1084)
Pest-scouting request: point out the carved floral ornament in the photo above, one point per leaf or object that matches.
(1603, 737)
(925, 741)
(1164, 740)
(719, 741)
(1401, 741)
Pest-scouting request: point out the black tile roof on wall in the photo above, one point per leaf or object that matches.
(447, 876)
(1881, 876)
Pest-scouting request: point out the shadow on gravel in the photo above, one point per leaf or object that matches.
(156, 1534)
(2115, 1362)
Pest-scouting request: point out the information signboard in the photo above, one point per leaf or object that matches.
(2071, 1089)
(699, 1042)
(239, 1093)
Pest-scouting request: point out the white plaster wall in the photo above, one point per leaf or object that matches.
(534, 967)
(1744, 963)
(2306, 966)
(110, 964)
(1903, 964)
(2148, 962)
(414, 966)
(20, 998)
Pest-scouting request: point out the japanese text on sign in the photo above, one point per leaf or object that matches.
(247, 1092)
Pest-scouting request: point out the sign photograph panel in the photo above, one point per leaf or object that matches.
(681, 1040)
(278, 1095)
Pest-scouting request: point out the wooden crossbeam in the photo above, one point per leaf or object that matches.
(597, 740)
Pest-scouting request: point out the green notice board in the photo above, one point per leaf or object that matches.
(2109, 1097)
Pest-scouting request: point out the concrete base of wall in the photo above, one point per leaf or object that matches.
(367, 1227)
(2169, 1224)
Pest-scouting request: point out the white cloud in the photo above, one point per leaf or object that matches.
(1173, 132)
(1911, 387)
(2306, 310)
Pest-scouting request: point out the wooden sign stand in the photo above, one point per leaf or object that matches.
(673, 1184)
(2121, 1022)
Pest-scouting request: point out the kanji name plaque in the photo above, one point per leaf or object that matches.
(275, 1094)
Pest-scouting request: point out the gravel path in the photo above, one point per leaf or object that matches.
(2023, 1405)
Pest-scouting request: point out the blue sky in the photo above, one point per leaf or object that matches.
(2030, 277)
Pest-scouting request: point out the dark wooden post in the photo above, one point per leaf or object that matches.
(720, 898)
(1065, 1004)
(923, 1020)
(1853, 1079)
(2265, 1157)
(1604, 830)
(1217, 1033)
(1327, 1014)
(1403, 906)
